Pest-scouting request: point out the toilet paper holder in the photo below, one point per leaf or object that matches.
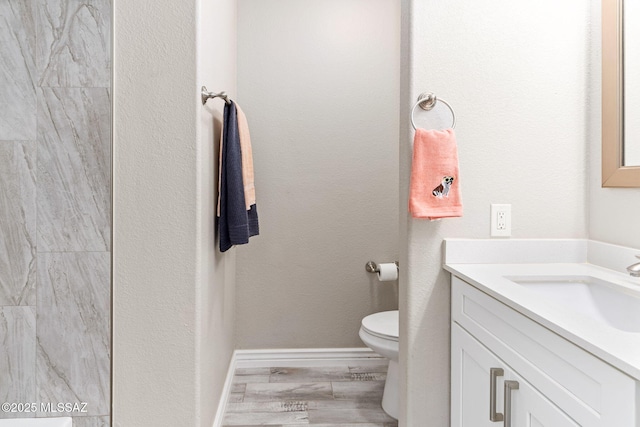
(372, 267)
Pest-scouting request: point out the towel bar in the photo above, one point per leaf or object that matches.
(206, 95)
(427, 101)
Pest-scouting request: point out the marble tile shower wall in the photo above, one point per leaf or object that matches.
(55, 209)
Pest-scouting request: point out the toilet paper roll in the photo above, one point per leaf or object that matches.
(387, 272)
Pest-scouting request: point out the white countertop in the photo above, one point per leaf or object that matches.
(618, 348)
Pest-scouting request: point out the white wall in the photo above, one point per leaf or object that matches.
(173, 294)
(216, 291)
(319, 81)
(516, 75)
(613, 211)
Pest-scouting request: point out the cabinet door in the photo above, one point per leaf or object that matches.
(471, 363)
(529, 408)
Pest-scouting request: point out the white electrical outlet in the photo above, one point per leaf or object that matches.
(500, 220)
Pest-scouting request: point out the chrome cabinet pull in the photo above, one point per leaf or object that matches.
(508, 387)
(494, 373)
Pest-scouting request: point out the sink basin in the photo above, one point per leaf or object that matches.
(604, 301)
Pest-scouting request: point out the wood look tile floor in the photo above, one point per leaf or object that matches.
(340, 394)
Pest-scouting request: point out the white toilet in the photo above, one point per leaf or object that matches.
(379, 331)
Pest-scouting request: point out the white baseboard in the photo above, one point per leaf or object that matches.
(226, 391)
(297, 357)
(300, 356)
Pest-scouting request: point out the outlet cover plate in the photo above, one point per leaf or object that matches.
(500, 220)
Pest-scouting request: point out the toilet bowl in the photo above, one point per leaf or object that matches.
(379, 331)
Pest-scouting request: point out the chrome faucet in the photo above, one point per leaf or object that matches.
(634, 269)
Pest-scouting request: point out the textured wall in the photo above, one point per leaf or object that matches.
(55, 207)
(155, 213)
(216, 293)
(319, 82)
(516, 74)
(173, 293)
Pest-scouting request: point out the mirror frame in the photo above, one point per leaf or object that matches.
(614, 173)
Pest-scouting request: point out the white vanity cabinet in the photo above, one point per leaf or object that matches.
(526, 407)
(558, 383)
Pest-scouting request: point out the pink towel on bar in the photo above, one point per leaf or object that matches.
(247, 161)
(435, 185)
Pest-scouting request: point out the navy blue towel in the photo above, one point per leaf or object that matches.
(236, 224)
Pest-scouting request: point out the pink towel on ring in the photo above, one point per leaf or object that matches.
(435, 185)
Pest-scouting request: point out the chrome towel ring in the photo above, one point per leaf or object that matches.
(427, 101)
